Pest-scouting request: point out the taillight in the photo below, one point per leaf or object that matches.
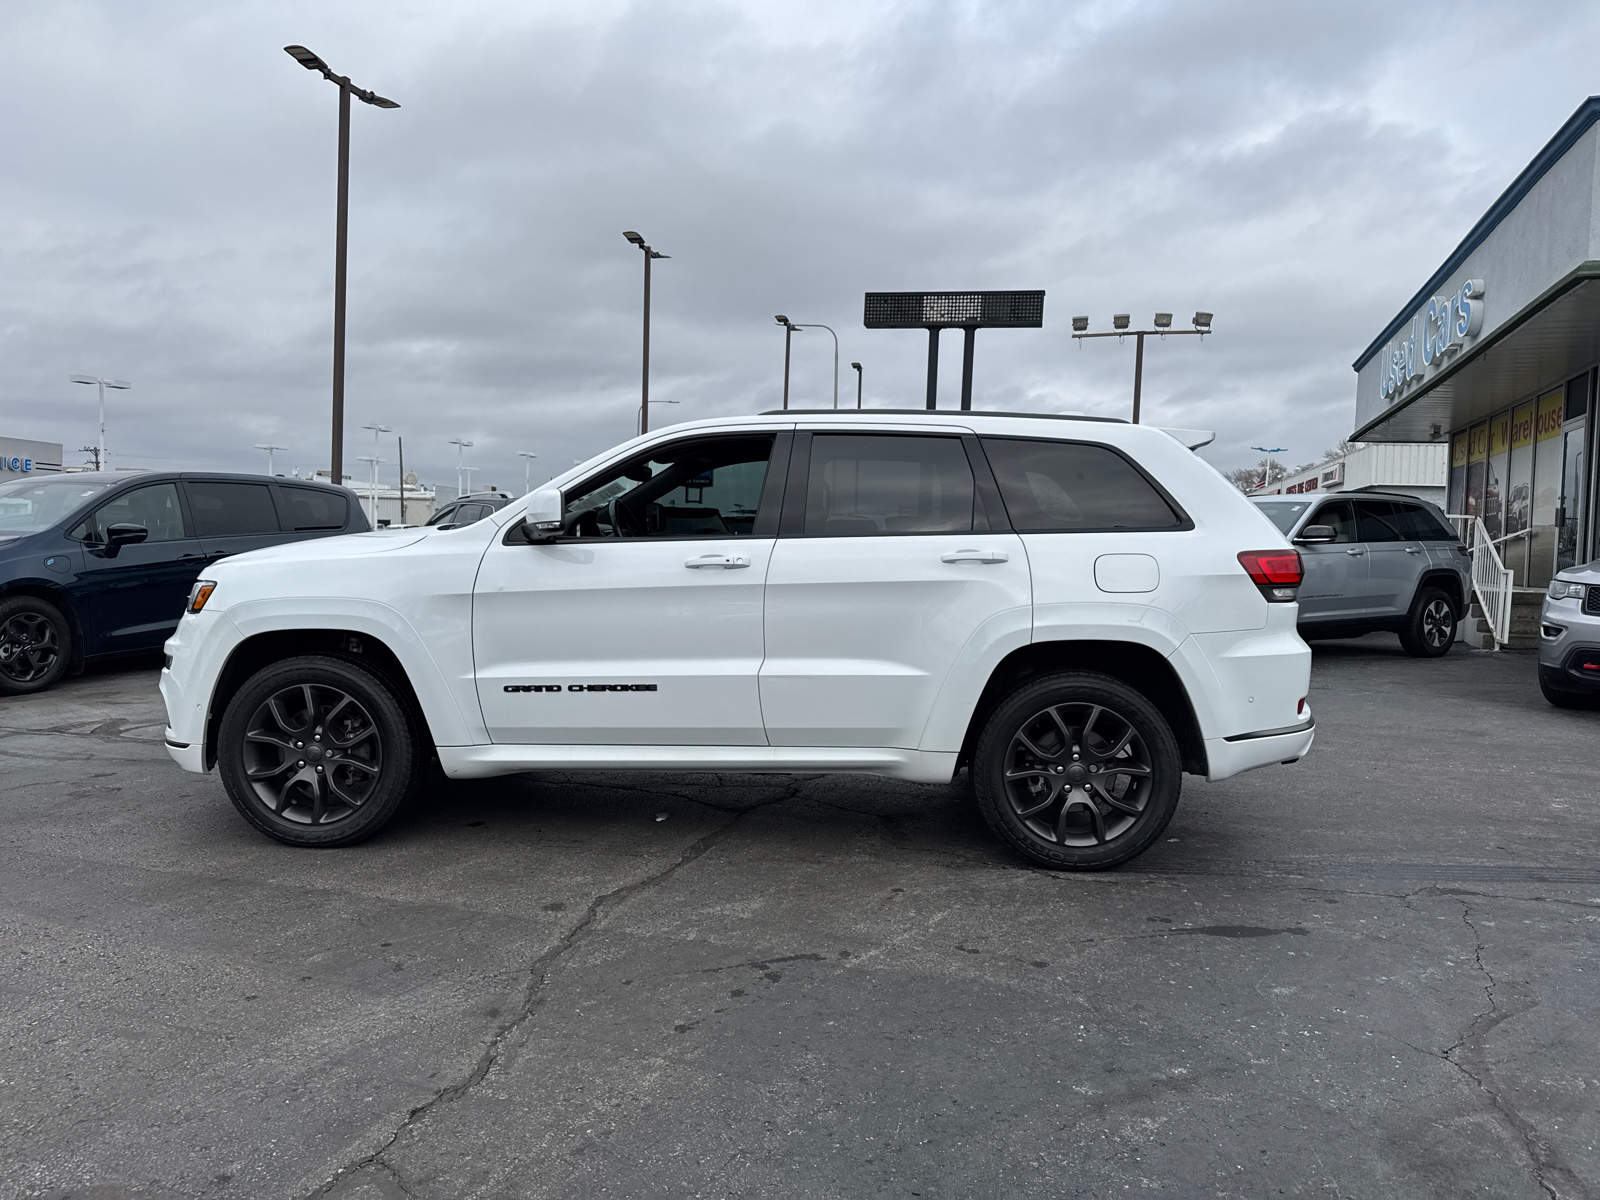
(1463, 551)
(1276, 572)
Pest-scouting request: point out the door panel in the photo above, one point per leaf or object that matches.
(1336, 581)
(1394, 561)
(134, 600)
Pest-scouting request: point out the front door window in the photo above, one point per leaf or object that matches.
(706, 488)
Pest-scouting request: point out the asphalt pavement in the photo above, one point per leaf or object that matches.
(1375, 973)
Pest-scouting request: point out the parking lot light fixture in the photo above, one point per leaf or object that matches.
(856, 367)
(1162, 327)
(650, 255)
(461, 445)
(269, 449)
(815, 325)
(1163, 320)
(101, 461)
(789, 328)
(1079, 324)
(1202, 320)
(311, 62)
(527, 457)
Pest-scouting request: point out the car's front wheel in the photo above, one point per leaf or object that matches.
(1430, 628)
(1077, 771)
(35, 645)
(318, 751)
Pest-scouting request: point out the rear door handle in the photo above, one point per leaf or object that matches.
(977, 556)
(717, 560)
(1413, 550)
(1355, 553)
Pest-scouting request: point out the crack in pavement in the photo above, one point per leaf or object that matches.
(532, 999)
(1469, 1055)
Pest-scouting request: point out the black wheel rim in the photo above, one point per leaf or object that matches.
(1438, 623)
(313, 754)
(1078, 775)
(29, 647)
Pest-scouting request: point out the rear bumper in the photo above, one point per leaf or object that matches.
(1245, 752)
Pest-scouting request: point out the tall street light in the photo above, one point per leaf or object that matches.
(311, 62)
(650, 255)
(461, 445)
(269, 450)
(815, 325)
(527, 457)
(1163, 327)
(375, 461)
(856, 367)
(788, 335)
(100, 460)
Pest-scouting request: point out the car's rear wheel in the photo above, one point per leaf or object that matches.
(1077, 771)
(1430, 628)
(35, 645)
(318, 751)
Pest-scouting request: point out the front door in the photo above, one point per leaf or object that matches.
(641, 624)
(893, 567)
(1335, 586)
(135, 595)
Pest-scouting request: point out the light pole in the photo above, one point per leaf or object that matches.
(814, 325)
(1266, 471)
(1119, 329)
(269, 450)
(859, 377)
(788, 334)
(311, 62)
(527, 457)
(644, 378)
(101, 462)
(374, 460)
(461, 445)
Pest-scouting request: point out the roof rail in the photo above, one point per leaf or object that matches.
(942, 412)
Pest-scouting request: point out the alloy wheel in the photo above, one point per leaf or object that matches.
(1438, 623)
(1078, 774)
(313, 754)
(29, 647)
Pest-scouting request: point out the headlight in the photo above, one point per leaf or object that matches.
(200, 593)
(1561, 589)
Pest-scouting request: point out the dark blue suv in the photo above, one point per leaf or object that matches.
(98, 565)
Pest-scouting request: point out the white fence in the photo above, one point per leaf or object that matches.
(1491, 578)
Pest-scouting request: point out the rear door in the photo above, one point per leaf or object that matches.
(1335, 586)
(891, 562)
(233, 516)
(1395, 558)
(134, 597)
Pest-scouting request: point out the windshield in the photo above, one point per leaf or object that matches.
(29, 505)
(1283, 513)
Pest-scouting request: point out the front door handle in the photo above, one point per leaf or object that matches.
(717, 560)
(977, 556)
(1355, 553)
(1413, 550)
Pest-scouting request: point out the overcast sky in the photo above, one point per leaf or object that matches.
(167, 209)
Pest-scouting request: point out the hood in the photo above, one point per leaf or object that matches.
(350, 545)
(1588, 572)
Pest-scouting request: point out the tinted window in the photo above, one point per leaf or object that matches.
(1377, 521)
(1417, 521)
(232, 509)
(1338, 514)
(28, 505)
(154, 507)
(1070, 487)
(444, 516)
(468, 513)
(877, 484)
(1284, 513)
(702, 488)
(313, 508)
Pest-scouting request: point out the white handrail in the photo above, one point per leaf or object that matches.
(1491, 578)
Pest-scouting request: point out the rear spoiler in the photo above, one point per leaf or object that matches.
(1192, 438)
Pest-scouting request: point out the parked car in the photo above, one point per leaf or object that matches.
(1376, 561)
(94, 565)
(1569, 638)
(467, 509)
(1076, 609)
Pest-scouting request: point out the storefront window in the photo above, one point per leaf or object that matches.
(1477, 468)
(1494, 484)
(1458, 474)
(1546, 483)
(1570, 509)
(1519, 492)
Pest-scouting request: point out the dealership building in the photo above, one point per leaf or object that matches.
(23, 459)
(1496, 355)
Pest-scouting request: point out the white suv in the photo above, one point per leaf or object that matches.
(1074, 609)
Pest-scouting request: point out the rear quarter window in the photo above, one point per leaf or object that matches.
(1076, 487)
(313, 508)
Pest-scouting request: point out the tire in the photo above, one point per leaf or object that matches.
(1430, 628)
(1026, 750)
(1562, 698)
(35, 645)
(305, 780)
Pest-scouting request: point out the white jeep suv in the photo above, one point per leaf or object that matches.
(1076, 610)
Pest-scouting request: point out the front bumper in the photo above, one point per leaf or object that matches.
(1569, 638)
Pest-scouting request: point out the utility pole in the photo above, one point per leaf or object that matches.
(644, 378)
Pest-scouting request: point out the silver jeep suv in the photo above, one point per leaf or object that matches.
(1569, 638)
(1376, 561)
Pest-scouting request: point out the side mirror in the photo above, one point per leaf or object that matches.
(1315, 535)
(541, 520)
(123, 534)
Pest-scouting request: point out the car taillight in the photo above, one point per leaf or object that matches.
(1276, 572)
(1463, 551)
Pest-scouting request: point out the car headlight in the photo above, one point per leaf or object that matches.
(1562, 589)
(200, 593)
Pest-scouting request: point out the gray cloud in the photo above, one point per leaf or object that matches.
(168, 211)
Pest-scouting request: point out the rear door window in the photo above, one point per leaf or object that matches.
(231, 509)
(313, 508)
(863, 485)
(1075, 487)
